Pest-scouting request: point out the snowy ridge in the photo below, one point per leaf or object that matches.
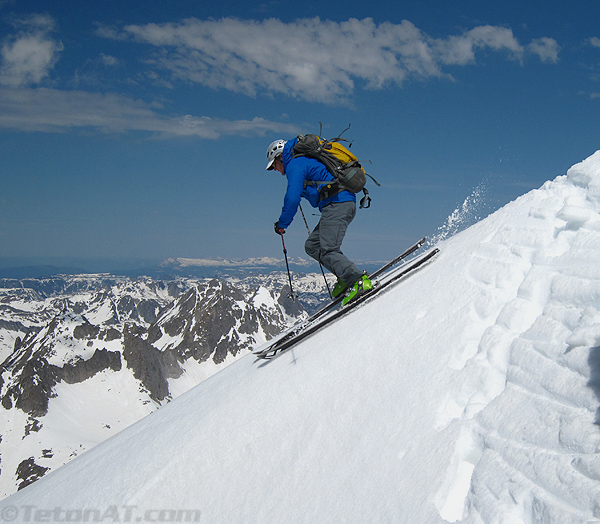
(467, 393)
(529, 356)
(249, 262)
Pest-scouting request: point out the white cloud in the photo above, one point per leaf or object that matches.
(460, 50)
(51, 110)
(27, 57)
(313, 59)
(546, 48)
(108, 60)
(594, 41)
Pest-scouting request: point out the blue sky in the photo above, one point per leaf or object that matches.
(137, 129)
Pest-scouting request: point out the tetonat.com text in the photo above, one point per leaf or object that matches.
(108, 514)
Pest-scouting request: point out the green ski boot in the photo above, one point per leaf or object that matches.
(338, 289)
(363, 285)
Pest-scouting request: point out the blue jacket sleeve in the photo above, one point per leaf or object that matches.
(295, 176)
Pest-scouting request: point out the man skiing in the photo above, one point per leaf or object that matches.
(338, 207)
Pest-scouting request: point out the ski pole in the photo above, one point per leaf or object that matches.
(291, 294)
(320, 265)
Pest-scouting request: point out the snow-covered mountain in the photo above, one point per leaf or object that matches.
(229, 267)
(86, 356)
(468, 392)
(28, 305)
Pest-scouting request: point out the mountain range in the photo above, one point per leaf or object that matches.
(84, 356)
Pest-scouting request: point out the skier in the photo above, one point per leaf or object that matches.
(337, 207)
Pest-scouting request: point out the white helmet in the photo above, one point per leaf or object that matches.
(273, 151)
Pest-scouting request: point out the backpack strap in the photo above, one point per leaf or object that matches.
(332, 188)
(376, 183)
(328, 188)
(365, 201)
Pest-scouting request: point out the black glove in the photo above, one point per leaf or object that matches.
(278, 230)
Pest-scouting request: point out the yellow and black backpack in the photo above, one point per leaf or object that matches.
(347, 171)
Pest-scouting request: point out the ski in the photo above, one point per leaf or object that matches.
(285, 343)
(291, 332)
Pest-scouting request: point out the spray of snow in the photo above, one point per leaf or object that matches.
(465, 215)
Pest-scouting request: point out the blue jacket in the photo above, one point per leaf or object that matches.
(297, 171)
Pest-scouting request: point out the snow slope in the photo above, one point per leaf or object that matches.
(467, 393)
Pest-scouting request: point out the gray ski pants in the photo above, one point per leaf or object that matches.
(325, 241)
